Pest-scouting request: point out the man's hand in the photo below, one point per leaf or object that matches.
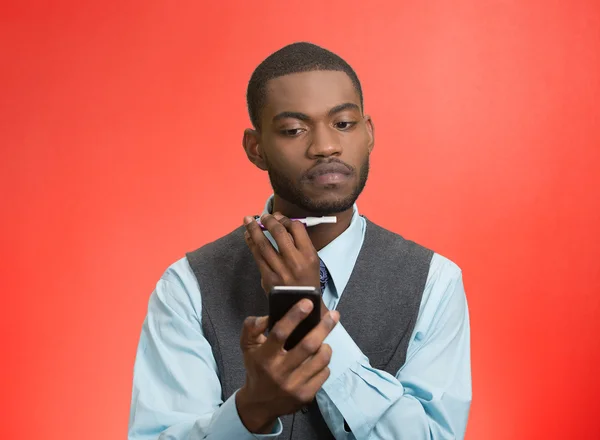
(296, 263)
(280, 382)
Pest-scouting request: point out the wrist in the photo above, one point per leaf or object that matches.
(253, 415)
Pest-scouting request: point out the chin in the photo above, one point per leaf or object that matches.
(327, 204)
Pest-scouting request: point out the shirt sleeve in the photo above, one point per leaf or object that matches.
(176, 389)
(430, 396)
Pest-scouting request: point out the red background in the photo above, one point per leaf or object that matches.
(121, 126)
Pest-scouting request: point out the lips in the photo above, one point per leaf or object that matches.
(329, 168)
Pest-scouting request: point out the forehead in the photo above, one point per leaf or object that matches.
(311, 93)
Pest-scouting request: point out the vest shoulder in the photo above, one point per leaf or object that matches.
(226, 244)
(393, 238)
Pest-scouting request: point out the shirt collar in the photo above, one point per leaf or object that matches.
(340, 255)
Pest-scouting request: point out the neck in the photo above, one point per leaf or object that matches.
(320, 235)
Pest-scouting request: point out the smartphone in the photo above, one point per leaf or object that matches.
(283, 298)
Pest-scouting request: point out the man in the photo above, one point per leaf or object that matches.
(390, 357)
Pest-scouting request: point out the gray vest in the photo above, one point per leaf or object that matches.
(378, 308)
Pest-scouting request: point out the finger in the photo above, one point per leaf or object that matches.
(312, 366)
(301, 241)
(311, 343)
(253, 329)
(308, 389)
(264, 268)
(286, 325)
(279, 216)
(299, 234)
(316, 382)
(264, 247)
(284, 240)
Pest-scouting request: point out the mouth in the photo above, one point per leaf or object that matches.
(327, 174)
(330, 178)
(329, 171)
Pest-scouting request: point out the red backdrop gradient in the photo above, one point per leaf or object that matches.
(121, 126)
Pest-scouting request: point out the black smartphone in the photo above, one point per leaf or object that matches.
(283, 298)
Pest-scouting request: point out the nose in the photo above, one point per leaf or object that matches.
(325, 142)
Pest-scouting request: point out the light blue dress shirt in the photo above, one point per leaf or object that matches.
(176, 389)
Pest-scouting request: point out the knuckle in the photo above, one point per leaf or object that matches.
(263, 245)
(297, 313)
(304, 395)
(285, 240)
(297, 226)
(279, 333)
(312, 259)
(286, 388)
(297, 267)
(323, 376)
(286, 278)
(326, 352)
(309, 345)
(277, 229)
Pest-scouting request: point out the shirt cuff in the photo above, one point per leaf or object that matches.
(228, 424)
(344, 353)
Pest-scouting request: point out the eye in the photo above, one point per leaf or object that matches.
(292, 132)
(344, 125)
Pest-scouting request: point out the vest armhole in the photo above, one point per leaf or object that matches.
(208, 328)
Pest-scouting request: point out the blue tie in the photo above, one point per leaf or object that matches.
(323, 275)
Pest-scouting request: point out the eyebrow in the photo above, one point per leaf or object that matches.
(304, 117)
(342, 107)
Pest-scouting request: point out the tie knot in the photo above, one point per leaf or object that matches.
(323, 275)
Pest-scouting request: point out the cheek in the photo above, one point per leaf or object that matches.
(286, 159)
(358, 141)
(286, 166)
(358, 151)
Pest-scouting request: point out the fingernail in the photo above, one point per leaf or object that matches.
(278, 215)
(248, 220)
(306, 305)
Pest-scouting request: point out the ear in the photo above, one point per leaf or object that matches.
(370, 131)
(251, 145)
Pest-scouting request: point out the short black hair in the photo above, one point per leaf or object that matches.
(293, 58)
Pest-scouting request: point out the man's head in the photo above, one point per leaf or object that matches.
(310, 133)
